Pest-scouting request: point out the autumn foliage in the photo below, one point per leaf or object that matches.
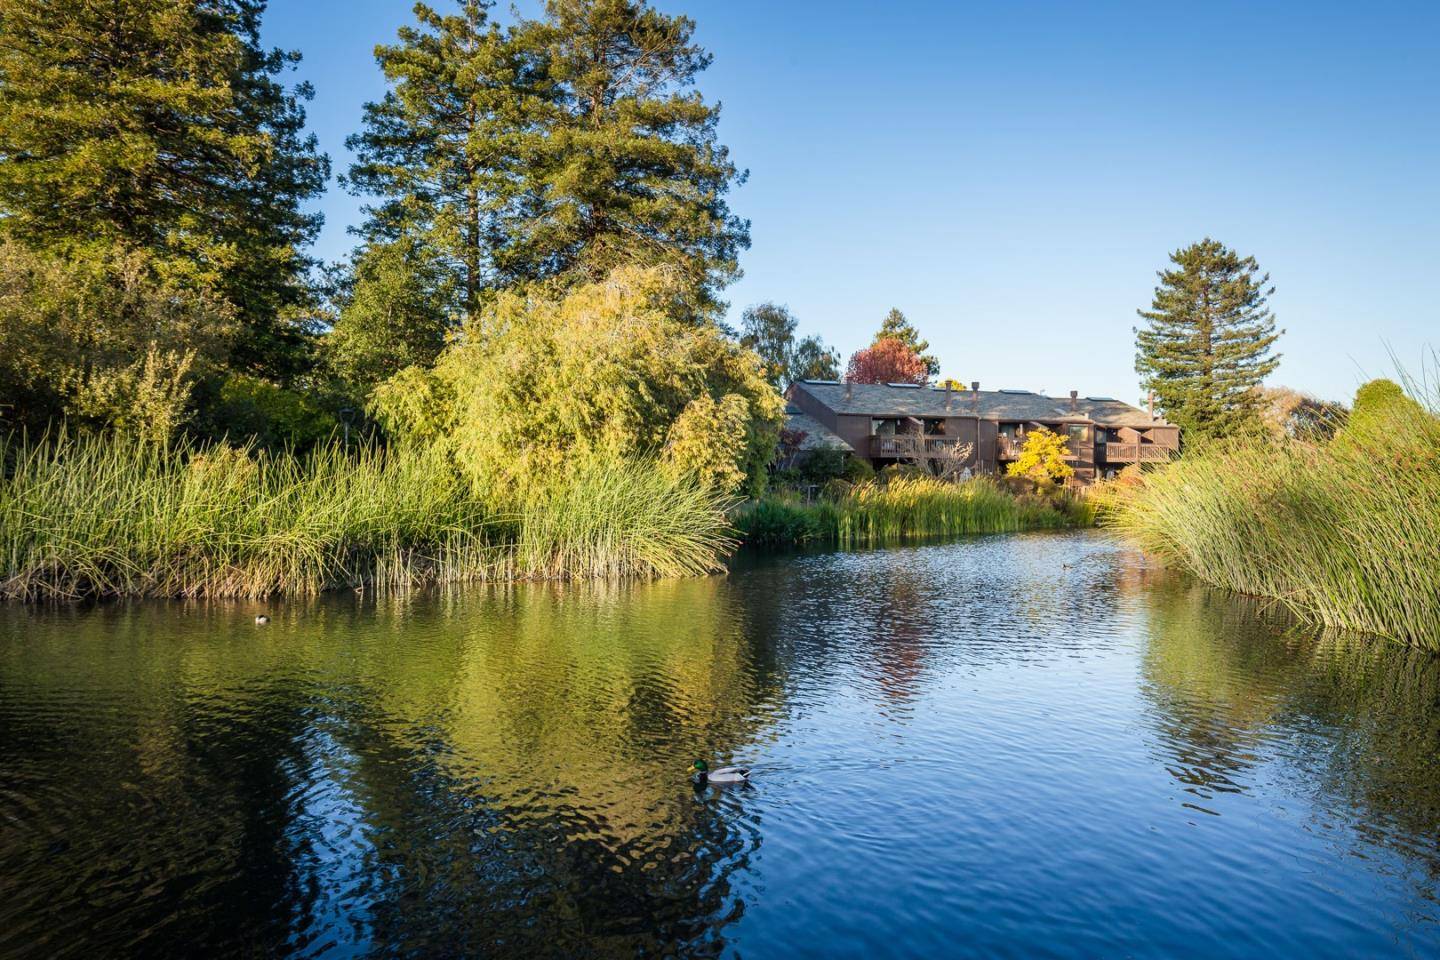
(887, 360)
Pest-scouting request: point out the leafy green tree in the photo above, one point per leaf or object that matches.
(1042, 458)
(896, 327)
(160, 126)
(813, 360)
(769, 330)
(549, 380)
(1206, 346)
(394, 312)
(98, 337)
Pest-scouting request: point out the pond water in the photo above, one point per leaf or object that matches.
(1028, 746)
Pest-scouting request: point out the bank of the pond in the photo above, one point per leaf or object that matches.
(905, 508)
(1344, 532)
(102, 516)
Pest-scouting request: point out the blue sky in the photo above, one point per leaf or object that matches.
(1011, 175)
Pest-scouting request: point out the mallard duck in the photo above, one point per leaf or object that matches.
(724, 777)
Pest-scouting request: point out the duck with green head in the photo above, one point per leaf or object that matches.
(724, 777)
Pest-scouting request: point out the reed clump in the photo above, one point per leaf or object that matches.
(101, 515)
(905, 508)
(1345, 532)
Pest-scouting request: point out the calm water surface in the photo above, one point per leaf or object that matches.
(962, 749)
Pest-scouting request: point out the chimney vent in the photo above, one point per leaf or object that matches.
(1074, 400)
(849, 390)
(1150, 402)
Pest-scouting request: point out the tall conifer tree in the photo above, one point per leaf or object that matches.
(556, 148)
(161, 126)
(1207, 342)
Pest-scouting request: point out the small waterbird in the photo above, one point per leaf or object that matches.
(724, 777)
(261, 619)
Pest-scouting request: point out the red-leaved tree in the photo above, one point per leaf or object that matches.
(887, 360)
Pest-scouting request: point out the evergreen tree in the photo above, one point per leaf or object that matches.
(439, 150)
(625, 165)
(896, 327)
(1207, 343)
(160, 126)
(561, 147)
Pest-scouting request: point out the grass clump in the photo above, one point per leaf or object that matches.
(906, 507)
(1344, 532)
(92, 515)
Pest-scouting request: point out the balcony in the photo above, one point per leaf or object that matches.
(1136, 452)
(1008, 449)
(917, 447)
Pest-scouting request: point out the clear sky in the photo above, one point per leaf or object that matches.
(1012, 174)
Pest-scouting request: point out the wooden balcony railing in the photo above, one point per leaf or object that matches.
(1007, 449)
(915, 447)
(1136, 452)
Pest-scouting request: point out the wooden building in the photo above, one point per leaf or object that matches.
(985, 429)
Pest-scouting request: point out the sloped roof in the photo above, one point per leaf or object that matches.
(882, 400)
(1116, 413)
(817, 435)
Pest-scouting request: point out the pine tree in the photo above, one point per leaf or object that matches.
(160, 126)
(1207, 343)
(624, 165)
(439, 150)
(562, 147)
(897, 327)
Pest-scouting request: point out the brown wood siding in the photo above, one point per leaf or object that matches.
(854, 430)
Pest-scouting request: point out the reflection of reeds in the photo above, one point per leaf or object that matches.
(88, 515)
(904, 508)
(1345, 533)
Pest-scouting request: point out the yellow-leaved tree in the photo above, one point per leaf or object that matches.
(546, 382)
(1042, 458)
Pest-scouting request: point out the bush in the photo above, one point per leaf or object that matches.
(272, 416)
(543, 383)
(103, 337)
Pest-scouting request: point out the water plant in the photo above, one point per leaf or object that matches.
(103, 515)
(906, 507)
(1344, 532)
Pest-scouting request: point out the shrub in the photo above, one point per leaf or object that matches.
(272, 416)
(542, 383)
(1042, 458)
(102, 336)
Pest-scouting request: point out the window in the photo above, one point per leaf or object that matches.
(1078, 432)
(935, 427)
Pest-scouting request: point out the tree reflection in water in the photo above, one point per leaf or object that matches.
(1237, 686)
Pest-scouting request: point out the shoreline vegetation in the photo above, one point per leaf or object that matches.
(906, 508)
(102, 516)
(1341, 525)
(106, 516)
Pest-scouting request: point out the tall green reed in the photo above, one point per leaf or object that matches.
(906, 508)
(1345, 533)
(85, 515)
